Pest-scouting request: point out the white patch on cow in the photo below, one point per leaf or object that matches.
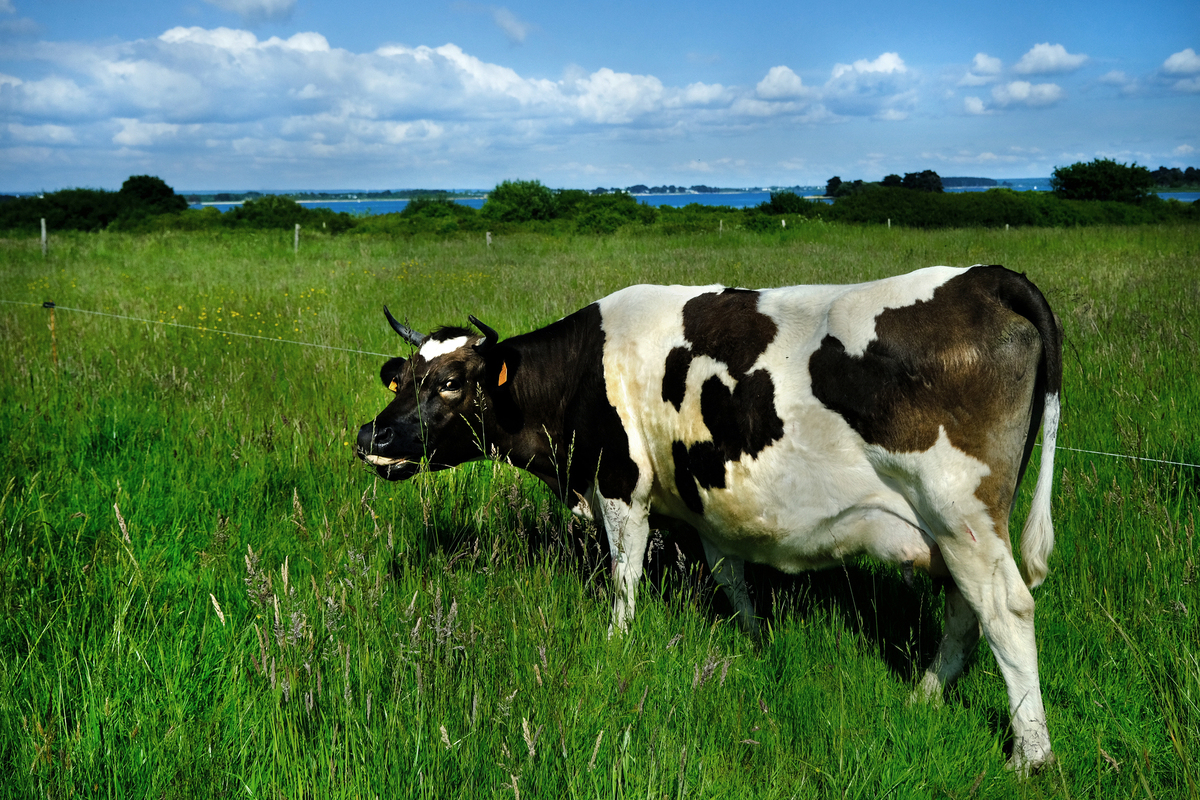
(431, 349)
(852, 316)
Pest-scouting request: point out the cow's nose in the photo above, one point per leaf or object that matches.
(373, 436)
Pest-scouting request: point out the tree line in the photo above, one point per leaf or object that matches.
(1098, 192)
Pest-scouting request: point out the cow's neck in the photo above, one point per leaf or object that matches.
(533, 418)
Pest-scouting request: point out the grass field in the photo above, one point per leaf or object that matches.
(204, 594)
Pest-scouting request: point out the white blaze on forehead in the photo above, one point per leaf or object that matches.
(432, 349)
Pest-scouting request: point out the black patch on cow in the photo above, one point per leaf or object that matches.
(727, 327)
(675, 378)
(684, 481)
(554, 408)
(951, 361)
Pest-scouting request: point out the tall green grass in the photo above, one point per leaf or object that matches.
(204, 593)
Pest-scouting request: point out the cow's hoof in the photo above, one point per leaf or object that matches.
(1024, 766)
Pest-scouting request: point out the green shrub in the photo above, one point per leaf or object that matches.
(520, 201)
(1102, 179)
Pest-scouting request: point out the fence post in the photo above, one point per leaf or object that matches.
(721, 229)
(53, 337)
(489, 238)
(296, 244)
(44, 241)
(889, 223)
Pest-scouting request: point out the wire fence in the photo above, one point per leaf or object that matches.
(277, 340)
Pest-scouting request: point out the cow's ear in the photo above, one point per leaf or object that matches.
(390, 373)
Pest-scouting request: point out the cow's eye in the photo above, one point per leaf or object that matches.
(450, 386)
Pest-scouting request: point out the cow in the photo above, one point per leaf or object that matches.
(796, 427)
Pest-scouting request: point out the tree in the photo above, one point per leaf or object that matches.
(926, 181)
(892, 180)
(520, 201)
(150, 195)
(1102, 179)
(831, 186)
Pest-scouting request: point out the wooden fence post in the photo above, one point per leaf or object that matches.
(296, 244)
(53, 336)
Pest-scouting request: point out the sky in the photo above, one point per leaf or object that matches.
(375, 94)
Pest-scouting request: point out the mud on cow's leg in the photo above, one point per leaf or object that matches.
(729, 573)
(988, 578)
(628, 528)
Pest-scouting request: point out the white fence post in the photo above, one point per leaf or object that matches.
(296, 244)
(43, 237)
(489, 238)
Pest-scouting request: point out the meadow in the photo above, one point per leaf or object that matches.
(205, 594)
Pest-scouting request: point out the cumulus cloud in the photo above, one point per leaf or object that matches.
(1185, 62)
(1048, 59)
(254, 12)
(1182, 69)
(1027, 94)
(781, 83)
(974, 105)
(984, 70)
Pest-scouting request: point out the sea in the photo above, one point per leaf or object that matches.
(371, 207)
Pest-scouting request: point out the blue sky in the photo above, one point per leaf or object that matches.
(289, 94)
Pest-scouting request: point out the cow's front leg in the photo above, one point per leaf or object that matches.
(628, 528)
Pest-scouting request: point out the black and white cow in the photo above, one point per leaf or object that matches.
(796, 427)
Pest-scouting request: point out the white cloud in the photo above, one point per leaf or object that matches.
(1184, 150)
(41, 134)
(1185, 62)
(984, 70)
(983, 64)
(1184, 65)
(135, 133)
(780, 84)
(513, 28)
(1027, 94)
(1047, 59)
(886, 63)
(973, 105)
(256, 11)
(7, 7)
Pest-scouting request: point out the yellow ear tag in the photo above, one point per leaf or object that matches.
(392, 387)
(503, 373)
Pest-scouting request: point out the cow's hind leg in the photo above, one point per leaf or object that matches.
(959, 637)
(729, 573)
(989, 581)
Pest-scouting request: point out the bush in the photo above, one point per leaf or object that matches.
(606, 213)
(792, 203)
(273, 211)
(1102, 179)
(520, 201)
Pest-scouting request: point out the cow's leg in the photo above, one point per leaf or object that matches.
(728, 571)
(628, 529)
(986, 574)
(959, 636)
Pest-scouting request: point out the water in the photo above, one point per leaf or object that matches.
(364, 208)
(732, 199)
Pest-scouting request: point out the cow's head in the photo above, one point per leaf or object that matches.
(438, 406)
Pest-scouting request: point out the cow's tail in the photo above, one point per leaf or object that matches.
(1037, 537)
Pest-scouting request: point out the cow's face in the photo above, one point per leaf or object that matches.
(437, 409)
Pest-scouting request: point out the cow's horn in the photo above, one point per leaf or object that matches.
(490, 337)
(407, 334)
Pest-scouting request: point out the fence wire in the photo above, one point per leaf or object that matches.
(390, 355)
